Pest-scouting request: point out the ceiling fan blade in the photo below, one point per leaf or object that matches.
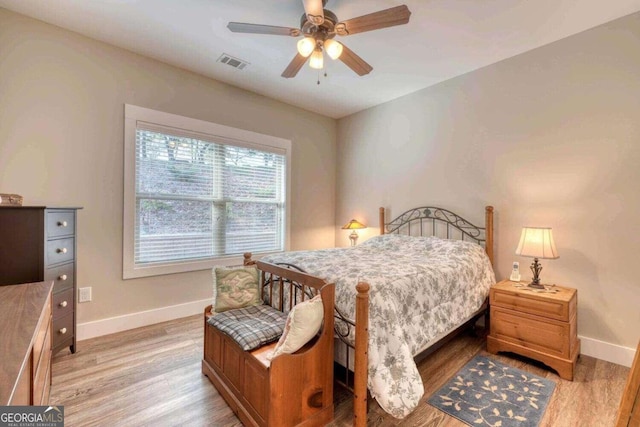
(314, 11)
(294, 66)
(398, 15)
(242, 27)
(354, 62)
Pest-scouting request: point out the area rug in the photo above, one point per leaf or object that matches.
(489, 393)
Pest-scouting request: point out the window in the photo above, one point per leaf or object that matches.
(199, 194)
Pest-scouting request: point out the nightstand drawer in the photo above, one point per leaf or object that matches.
(559, 305)
(532, 332)
(552, 309)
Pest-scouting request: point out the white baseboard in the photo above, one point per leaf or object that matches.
(606, 351)
(590, 347)
(143, 318)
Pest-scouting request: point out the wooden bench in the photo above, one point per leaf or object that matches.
(292, 389)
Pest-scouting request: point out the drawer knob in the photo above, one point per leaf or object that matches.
(63, 304)
(62, 250)
(63, 331)
(62, 223)
(63, 277)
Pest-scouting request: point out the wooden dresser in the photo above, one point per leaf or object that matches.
(25, 322)
(39, 243)
(542, 326)
(629, 410)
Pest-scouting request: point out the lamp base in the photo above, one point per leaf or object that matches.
(353, 237)
(536, 268)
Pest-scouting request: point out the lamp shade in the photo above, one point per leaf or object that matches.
(333, 48)
(317, 59)
(537, 242)
(306, 46)
(353, 225)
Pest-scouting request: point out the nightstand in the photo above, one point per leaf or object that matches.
(538, 325)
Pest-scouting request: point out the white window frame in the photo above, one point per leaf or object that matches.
(239, 137)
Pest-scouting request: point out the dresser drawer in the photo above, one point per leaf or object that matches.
(559, 309)
(60, 250)
(61, 276)
(63, 303)
(60, 223)
(62, 329)
(547, 336)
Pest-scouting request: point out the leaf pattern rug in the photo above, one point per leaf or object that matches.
(486, 392)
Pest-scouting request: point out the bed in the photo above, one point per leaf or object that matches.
(428, 273)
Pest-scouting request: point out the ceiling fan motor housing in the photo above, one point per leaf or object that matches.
(321, 32)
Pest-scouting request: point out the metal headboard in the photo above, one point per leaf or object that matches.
(431, 220)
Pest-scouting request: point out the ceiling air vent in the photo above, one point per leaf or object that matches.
(233, 62)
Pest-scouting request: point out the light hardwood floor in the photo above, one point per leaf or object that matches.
(151, 376)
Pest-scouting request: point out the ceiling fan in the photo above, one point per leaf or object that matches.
(319, 26)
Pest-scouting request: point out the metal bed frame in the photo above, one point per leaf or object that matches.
(421, 221)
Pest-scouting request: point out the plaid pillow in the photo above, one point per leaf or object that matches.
(251, 327)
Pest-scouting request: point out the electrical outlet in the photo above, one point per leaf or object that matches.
(84, 294)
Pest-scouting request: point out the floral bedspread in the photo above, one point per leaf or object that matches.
(420, 287)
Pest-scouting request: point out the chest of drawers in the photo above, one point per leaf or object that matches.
(38, 243)
(542, 326)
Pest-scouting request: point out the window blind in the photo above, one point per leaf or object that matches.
(199, 198)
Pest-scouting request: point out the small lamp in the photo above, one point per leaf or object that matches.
(353, 225)
(537, 242)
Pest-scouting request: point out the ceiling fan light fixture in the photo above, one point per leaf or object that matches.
(333, 48)
(317, 60)
(306, 46)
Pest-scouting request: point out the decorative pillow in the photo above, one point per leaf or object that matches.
(303, 323)
(235, 288)
(251, 327)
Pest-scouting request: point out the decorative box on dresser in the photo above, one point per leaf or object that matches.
(538, 325)
(25, 365)
(38, 243)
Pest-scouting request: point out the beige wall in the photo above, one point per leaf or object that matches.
(62, 102)
(550, 138)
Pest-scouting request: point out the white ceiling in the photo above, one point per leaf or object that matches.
(444, 38)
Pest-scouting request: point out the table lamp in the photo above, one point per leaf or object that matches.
(537, 242)
(353, 225)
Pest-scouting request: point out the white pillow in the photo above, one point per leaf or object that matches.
(303, 323)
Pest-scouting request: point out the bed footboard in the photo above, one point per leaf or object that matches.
(361, 356)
